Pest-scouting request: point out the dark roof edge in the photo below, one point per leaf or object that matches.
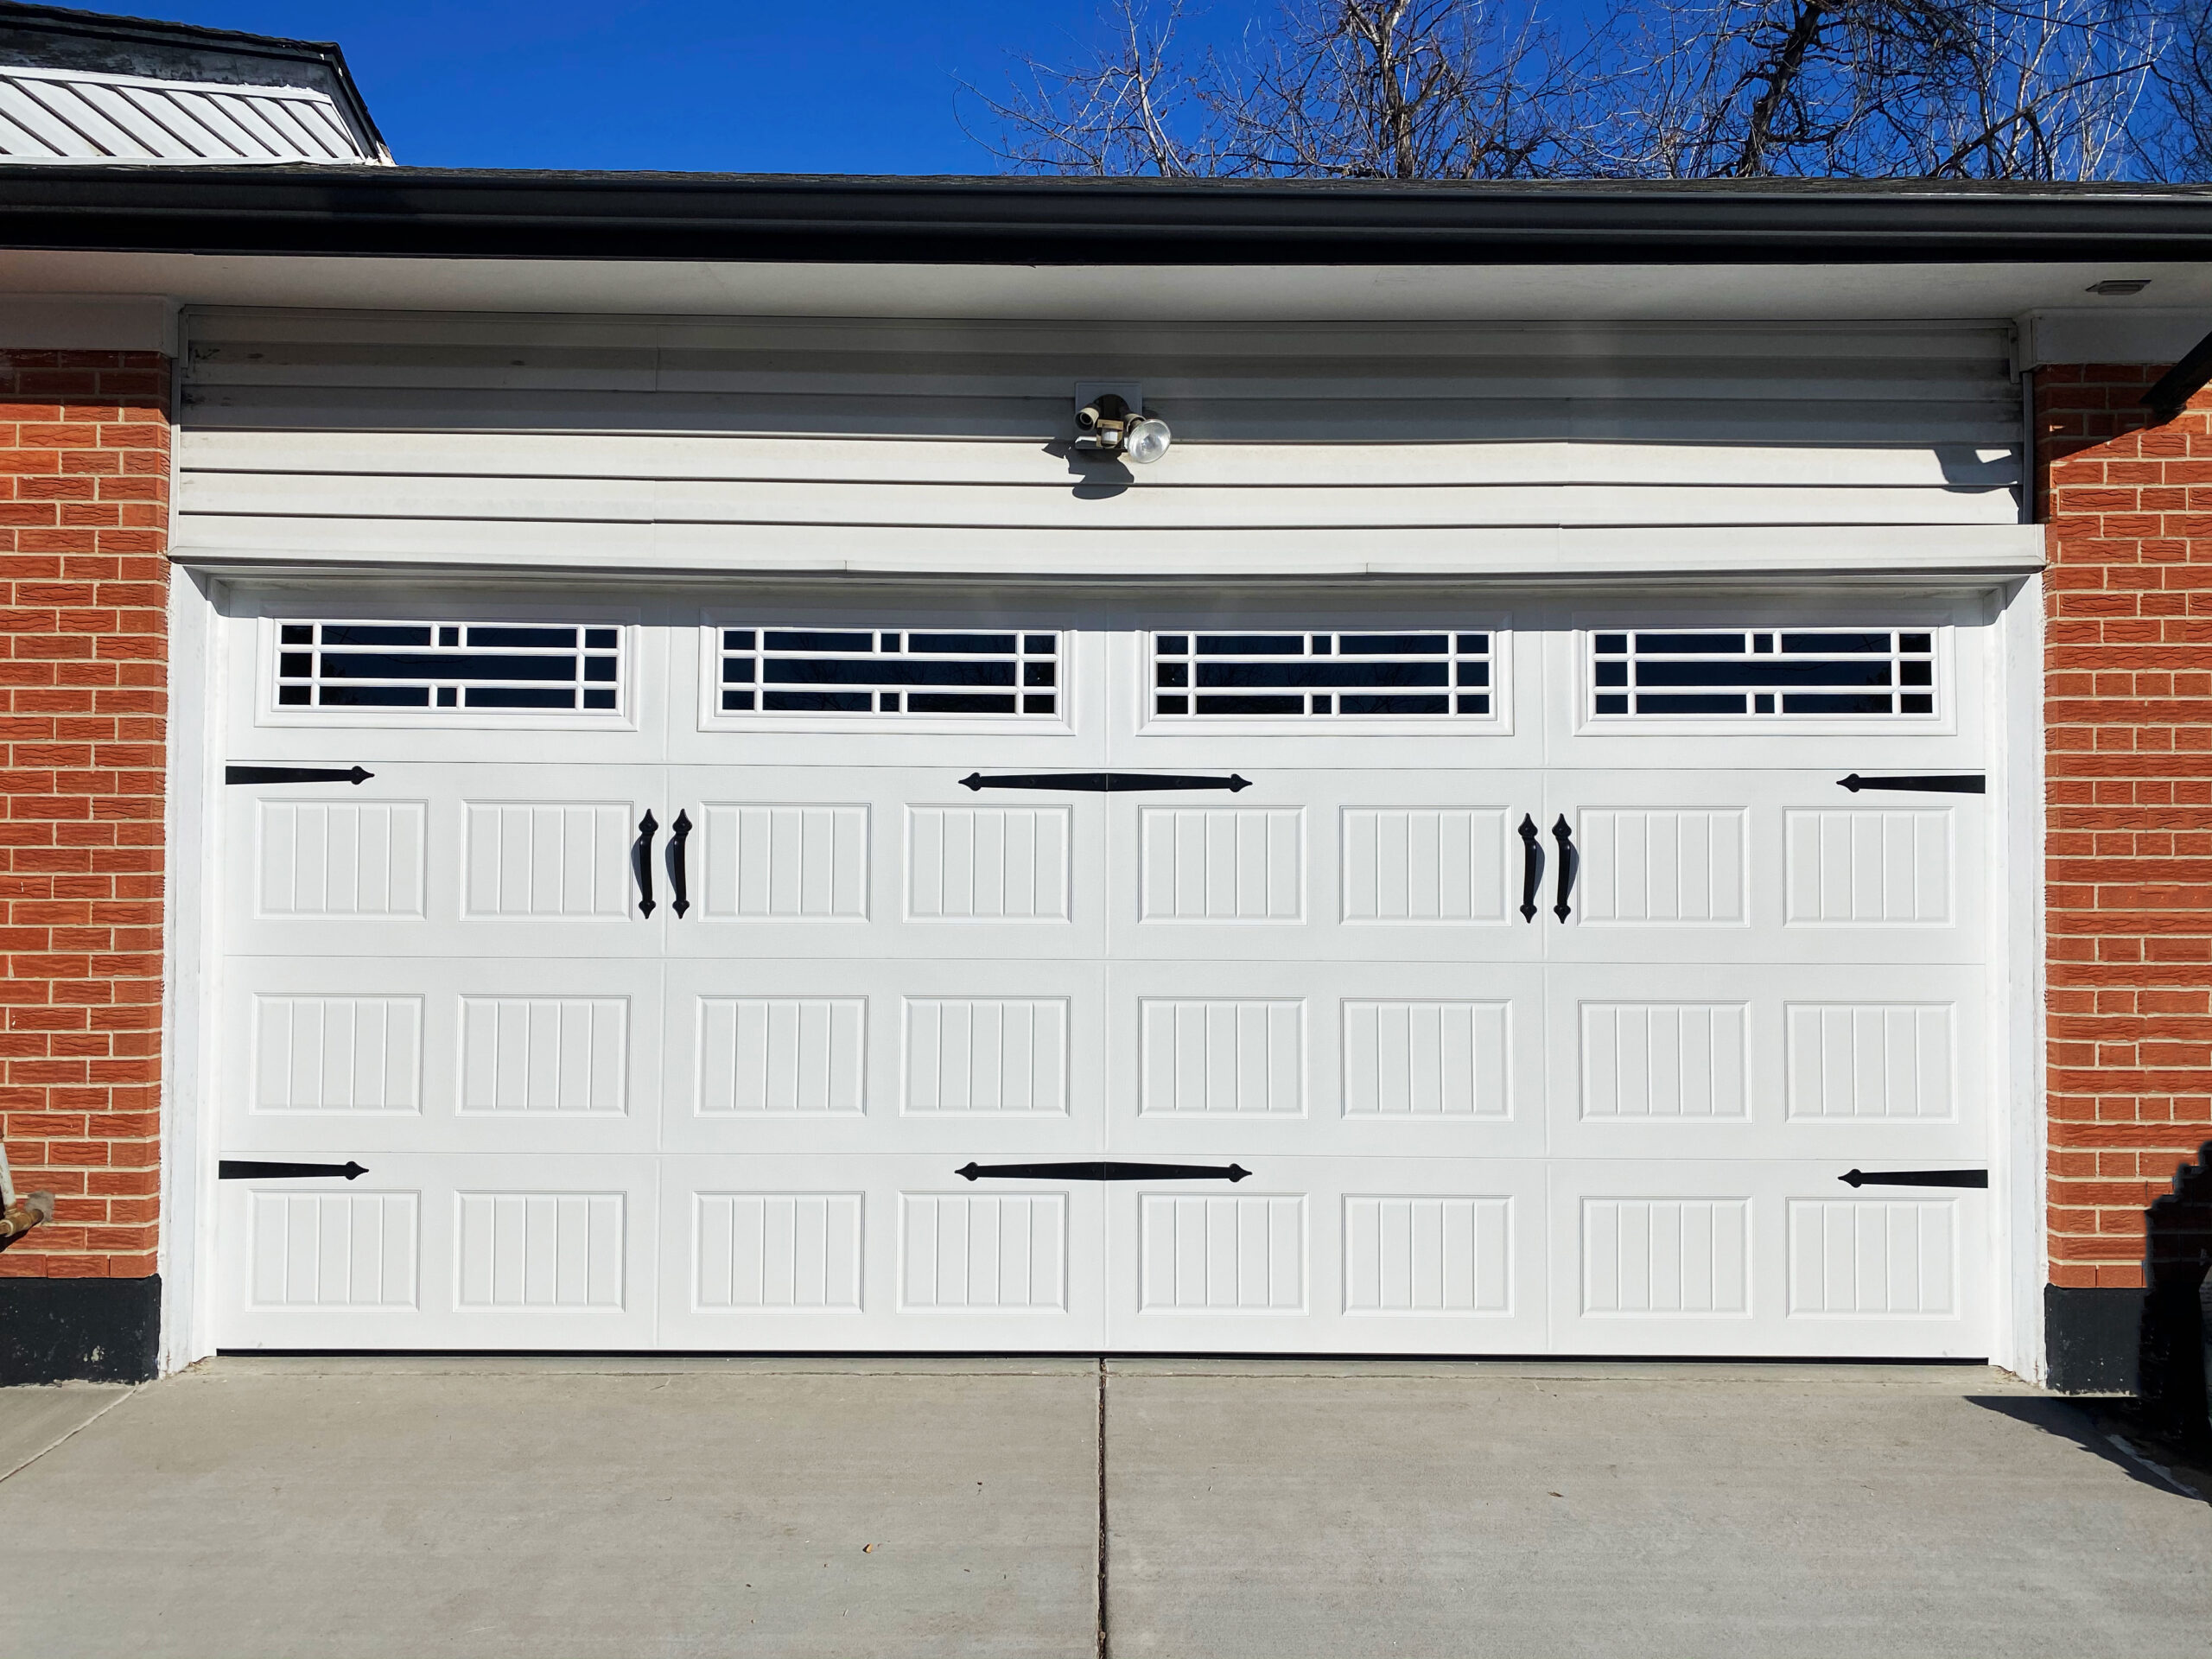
(66, 22)
(425, 213)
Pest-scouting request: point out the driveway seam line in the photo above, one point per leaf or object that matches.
(71, 1434)
(1104, 1650)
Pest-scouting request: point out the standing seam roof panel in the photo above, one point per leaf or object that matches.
(49, 115)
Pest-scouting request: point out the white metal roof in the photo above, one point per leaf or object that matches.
(74, 115)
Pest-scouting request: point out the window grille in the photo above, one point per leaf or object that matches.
(1778, 673)
(889, 671)
(1316, 676)
(514, 668)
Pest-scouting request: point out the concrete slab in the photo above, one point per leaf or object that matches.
(1269, 1509)
(33, 1420)
(367, 1508)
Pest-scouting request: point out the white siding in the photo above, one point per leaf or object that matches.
(812, 442)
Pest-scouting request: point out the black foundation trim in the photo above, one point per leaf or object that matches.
(79, 1329)
(2092, 1336)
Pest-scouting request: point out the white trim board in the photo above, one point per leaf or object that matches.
(1638, 554)
(2086, 336)
(79, 322)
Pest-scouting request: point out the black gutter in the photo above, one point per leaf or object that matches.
(426, 213)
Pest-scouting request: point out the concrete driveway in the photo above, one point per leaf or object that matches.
(562, 1507)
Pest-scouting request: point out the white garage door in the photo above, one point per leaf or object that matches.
(975, 973)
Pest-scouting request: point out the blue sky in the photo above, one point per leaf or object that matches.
(829, 86)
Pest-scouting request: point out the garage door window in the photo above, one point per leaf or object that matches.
(1764, 674)
(512, 668)
(1322, 677)
(909, 672)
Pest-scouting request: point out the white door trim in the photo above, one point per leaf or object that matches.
(2017, 904)
(193, 891)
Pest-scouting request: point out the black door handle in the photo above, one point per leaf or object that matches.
(678, 832)
(1532, 866)
(1568, 860)
(644, 861)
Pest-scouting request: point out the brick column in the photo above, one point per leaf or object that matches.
(84, 594)
(2128, 711)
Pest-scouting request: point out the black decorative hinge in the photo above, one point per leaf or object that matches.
(1947, 784)
(1917, 1177)
(1103, 1172)
(247, 1169)
(1105, 783)
(295, 775)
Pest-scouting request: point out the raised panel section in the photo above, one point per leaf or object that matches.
(1884, 1257)
(340, 861)
(557, 1054)
(1428, 1254)
(549, 858)
(1671, 866)
(334, 1249)
(1007, 1056)
(337, 1054)
(783, 1250)
(1423, 864)
(1223, 1058)
(792, 863)
(1869, 865)
(1425, 1059)
(1871, 1060)
(1221, 1255)
(782, 1054)
(1222, 864)
(1655, 1061)
(987, 863)
(560, 1250)
(984, 1251)
(1666, 1257)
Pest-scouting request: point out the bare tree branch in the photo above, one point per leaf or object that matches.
(1493, 89)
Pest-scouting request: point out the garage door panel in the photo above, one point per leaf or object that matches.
(1375, 866)
(354, 1056)
(431, 860)
(1764, 866)
(833, 862)
(1725, 1060)
(959, 1056)
(498, 1251)
(1405, 1060)
(1716, 1256)
(1334, 1256)
(828, 1252)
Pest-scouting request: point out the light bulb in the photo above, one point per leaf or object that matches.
(1147, 441)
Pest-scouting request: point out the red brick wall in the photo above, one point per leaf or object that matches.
(84, 595)
(2128, 708)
